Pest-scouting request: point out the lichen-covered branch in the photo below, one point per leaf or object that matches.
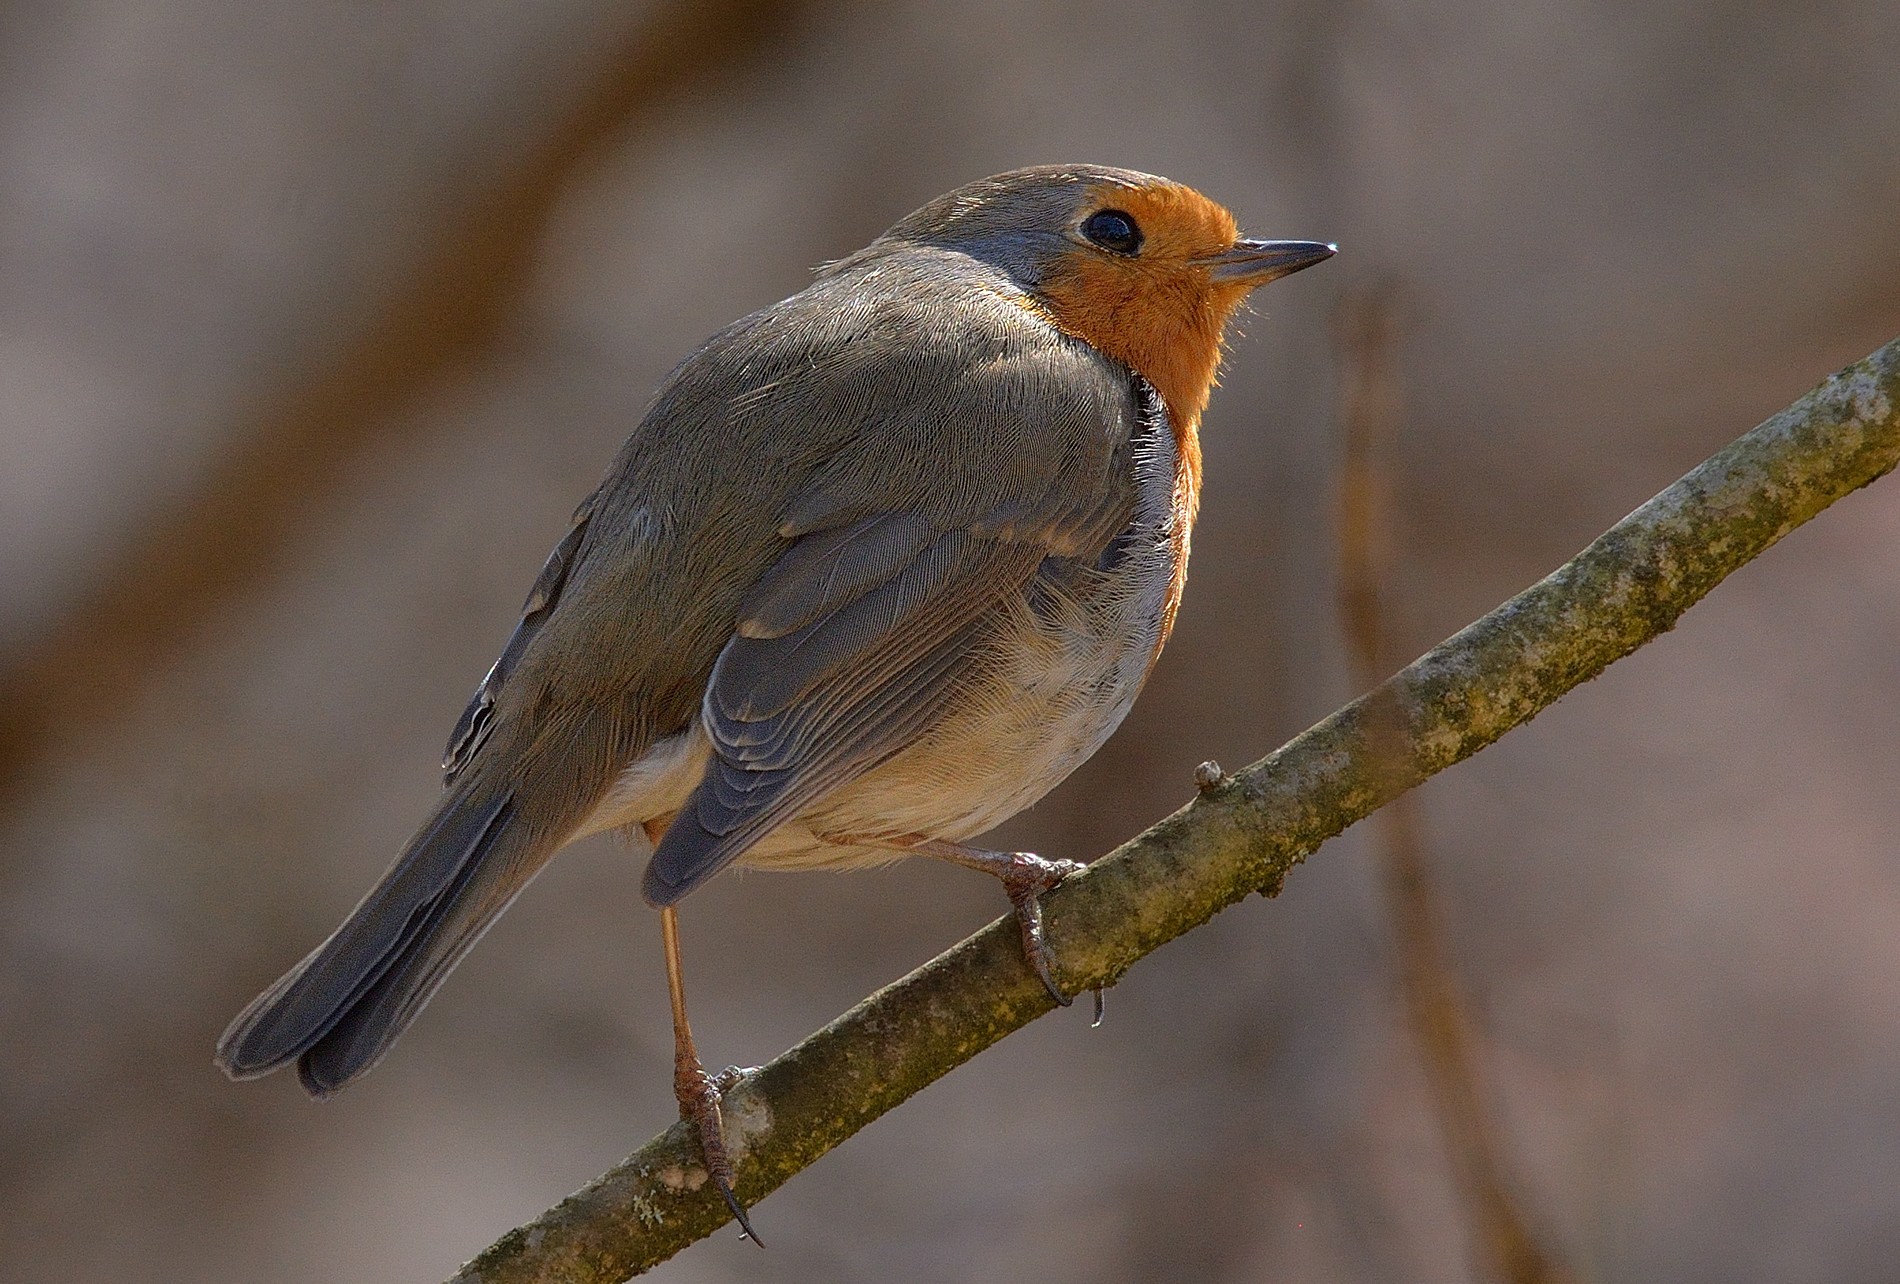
(1242, 834)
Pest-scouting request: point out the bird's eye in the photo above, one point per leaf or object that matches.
(1113, 230)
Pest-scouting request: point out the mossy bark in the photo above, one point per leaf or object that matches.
(1242, 834)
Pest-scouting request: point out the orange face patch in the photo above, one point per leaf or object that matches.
(1157, 311)
(1160, 313)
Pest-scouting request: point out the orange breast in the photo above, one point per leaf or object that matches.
(1161, 314)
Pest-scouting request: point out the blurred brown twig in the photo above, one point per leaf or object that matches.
(1243, 833)
(227, 537)
(1367, 327)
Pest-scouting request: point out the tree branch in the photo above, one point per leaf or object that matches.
(1243, 834)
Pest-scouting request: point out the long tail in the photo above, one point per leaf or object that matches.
(337, 1012)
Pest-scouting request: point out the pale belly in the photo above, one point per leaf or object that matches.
(1055, 683)
(1060, 681)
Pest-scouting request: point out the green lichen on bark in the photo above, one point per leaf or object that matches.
(1242, 835)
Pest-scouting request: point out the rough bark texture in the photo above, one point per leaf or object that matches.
(1243, 834)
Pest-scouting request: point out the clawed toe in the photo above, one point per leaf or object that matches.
(731, 1077)
(699, 1096)
(1026, 879)
(1029, 874)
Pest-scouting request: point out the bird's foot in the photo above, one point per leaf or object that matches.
(1025, 878)
(699, 1096)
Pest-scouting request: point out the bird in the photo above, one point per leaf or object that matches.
(879, 566)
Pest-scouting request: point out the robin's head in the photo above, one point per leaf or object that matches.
(1142, 268)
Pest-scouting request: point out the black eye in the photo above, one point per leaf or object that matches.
(1113, 230)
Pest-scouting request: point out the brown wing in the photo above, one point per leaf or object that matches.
(901, 379)
(856, 640)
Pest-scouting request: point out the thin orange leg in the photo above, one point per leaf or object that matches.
(697, 1091)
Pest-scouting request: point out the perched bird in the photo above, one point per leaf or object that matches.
(880, 566)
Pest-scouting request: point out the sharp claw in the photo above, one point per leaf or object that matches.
(699, 1095)
(1048, 983)
(1101, 1006)
(738, 1211)
(1034, 877)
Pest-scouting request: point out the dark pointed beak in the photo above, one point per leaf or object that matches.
(1253, 262)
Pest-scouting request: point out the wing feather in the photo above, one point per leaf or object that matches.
(794, 717)
(477, 722)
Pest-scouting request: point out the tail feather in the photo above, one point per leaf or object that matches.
(338, 1011)
(385, 1008)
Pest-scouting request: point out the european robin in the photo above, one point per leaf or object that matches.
(880, 566)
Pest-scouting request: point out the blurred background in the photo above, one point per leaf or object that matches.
(316, 320)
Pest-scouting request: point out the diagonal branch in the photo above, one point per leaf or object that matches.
(1243, 834)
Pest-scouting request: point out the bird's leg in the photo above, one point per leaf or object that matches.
(699, 1092)
(1025, 877)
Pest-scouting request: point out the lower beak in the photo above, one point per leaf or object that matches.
(1252, 263)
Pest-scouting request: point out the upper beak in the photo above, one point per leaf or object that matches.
(1253, 262)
